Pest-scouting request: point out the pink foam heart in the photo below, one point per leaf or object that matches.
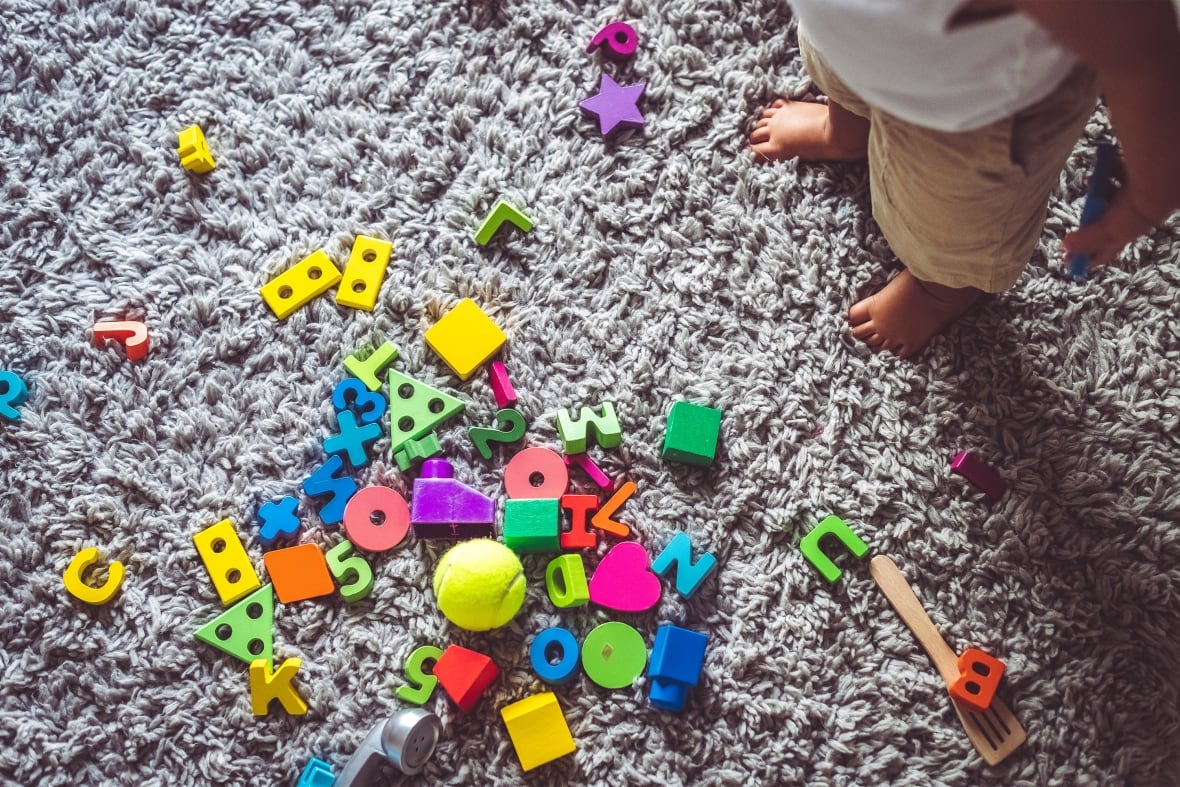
(624, 581)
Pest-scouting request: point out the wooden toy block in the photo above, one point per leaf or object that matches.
(832, 526)
(298, 573)
(979, 474)
(464, 675)
(415, 452)
(618, 40)
(226, 561)
(691, 434)
(578, 536)
(372, 364)
(13, 393)
(676, 660)
(352, 439)
(536, 473)
(602, 519)
(554, 655)
(72, 578)
(532, 525)
(405, 740)
(614, 655)
(266, 686)
(689, 575)
(324, 482)
(442, 507)
(615, 106)
(565, 580)
(465, 338)
(501, 386)
(979, 677)
(364, 272)
(483, 437)
(354, 573)
(193, 150)
(278, 520)
(316, 773)
(292, 289)
(589, 468)
(603, 426)
(351, 392)
(416, 409)
(623, 580)
(538, 730)
(422, 683)
(501, 212)
(245, 630)
(377, 518)
(132, 334)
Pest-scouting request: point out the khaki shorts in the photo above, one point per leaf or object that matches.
(966, 209)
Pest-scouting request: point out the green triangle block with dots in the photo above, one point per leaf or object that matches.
(245, 630)
(416, 409)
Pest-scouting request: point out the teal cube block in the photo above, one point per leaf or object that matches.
(533, 525)
(691, 434)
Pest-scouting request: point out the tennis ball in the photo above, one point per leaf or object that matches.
(479, 584)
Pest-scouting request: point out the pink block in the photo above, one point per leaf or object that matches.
(594, 471)
(978, 473)
(501, 386)
(624, 580)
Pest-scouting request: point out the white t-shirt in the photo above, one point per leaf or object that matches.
(901, 56)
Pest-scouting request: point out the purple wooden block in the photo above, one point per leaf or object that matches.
(978, 473)
(615, 106)
(618, 39)
(594, 471)
(445, 508)
(501, 386)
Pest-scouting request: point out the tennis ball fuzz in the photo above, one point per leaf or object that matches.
(479, 584)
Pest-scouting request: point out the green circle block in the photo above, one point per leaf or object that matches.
(614, 655)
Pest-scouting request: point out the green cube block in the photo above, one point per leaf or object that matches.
(691, 435)
(533, 525)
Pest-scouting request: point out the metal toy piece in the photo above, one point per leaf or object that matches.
(405, 740)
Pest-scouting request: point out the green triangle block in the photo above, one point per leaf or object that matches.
(415, 409)
(245, 630)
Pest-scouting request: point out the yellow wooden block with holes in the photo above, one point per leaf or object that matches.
(364, 273)
(194, 150)
(538, 730)
(293, 288)
(465, 338)
(226, 561)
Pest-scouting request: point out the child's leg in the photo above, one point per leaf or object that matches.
(836, 131)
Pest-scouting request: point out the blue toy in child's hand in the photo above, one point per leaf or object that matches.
(1098, 192)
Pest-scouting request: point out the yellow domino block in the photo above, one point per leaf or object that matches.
(226, 561)
(194, 150)
(293, 288)
(465, 338)
(364, 273)
(538, 730)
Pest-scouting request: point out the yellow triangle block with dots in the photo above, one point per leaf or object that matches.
(465, 338)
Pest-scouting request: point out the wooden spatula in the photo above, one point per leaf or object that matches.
(995, 733)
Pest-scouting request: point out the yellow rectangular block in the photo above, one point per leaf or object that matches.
(293, 288)
(226, 561)
(194, 150)
(538, 730)
(364, 273)
(465, 338)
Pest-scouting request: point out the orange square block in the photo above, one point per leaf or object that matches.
(298, 573)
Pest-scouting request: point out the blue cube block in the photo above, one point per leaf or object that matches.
(677, 655)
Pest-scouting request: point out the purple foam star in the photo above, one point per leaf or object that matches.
(615, 106)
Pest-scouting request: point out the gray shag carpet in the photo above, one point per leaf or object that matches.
(664, 265)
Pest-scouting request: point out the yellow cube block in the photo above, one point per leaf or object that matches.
(293, 288)
(364, 273)
(538, 730)
(194, 150)
(465, 338)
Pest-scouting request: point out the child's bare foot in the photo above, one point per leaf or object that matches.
(906, 313)
(812, 132)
